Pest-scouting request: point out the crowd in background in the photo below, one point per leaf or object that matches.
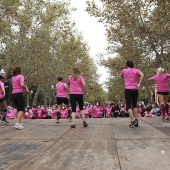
(97, 110)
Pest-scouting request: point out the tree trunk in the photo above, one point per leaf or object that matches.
(36, 96)
(28, 99)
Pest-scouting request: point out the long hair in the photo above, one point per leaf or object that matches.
(16, 70)
(76, 73)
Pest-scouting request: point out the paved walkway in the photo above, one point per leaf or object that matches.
(107, 144)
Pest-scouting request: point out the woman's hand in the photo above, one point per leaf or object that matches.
(87, 95)
(138, 85)
(27, 91)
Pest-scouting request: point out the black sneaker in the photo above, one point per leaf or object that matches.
(85, 124)
(73, 126)
(136, 125)
(132, 125)
(6, 122)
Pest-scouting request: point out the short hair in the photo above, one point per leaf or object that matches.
(16, 70)
(60, 79)
(130, 64)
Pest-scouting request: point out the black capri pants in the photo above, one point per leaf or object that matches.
(18, 99)
(74, 98)
(61, 100)
(131, 97)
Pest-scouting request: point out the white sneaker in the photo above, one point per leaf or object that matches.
(57, 121)
(18, 126)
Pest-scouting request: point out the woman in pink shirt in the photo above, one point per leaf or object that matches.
(26, 114)
(78, 112)
(86, 111)
(34, 111)
(97, 110)
(130, 75)
(108, 110)
(39, 113)
(18, 89)
(76, 82)
(61, 89)
(54, 112)
(3, 103)
(161, 80)
(64, 112)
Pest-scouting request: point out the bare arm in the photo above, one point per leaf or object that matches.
(67, 88)
(149, 80)
(141, 79)
(85, 89)
(24, 86)
(3, 90)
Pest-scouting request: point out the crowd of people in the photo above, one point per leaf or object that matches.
(111, 110)
(74, 107)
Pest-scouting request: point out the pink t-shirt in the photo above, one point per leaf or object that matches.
(161, 82)
(61, 89)
(16, 87)
(108, 111)
(77, 112)
(75, 85)
(1, 92)
(26, 115)
(39, 114)
(64, 113)
(54, 112)
(130, 76)
(97, 111)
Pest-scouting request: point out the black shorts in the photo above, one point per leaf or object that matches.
(61, 100)
(131, 97)
(164, 93)
(18, 99)
(74, 98)
(2, 100)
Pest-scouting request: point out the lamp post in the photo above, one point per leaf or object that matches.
(52, 90)
(2, 72)
(31, 93)
(143, 91)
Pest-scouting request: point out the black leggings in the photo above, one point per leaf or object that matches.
(131, 97)
(18, 99)
(74, 98)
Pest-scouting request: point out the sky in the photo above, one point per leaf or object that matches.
(92, 31)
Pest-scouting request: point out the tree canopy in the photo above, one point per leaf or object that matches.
(41, 36)
(137, 30)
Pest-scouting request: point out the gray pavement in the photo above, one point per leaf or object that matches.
(107, 144)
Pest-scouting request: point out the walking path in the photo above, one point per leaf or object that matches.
(107, 144)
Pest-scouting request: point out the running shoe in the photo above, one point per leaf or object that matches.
(6, 122)
(85, 124)
(73, 126)
(57, 121)
(2, 121)
(133, 123)
(18, 126)
(166, 117)
(136, 125)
